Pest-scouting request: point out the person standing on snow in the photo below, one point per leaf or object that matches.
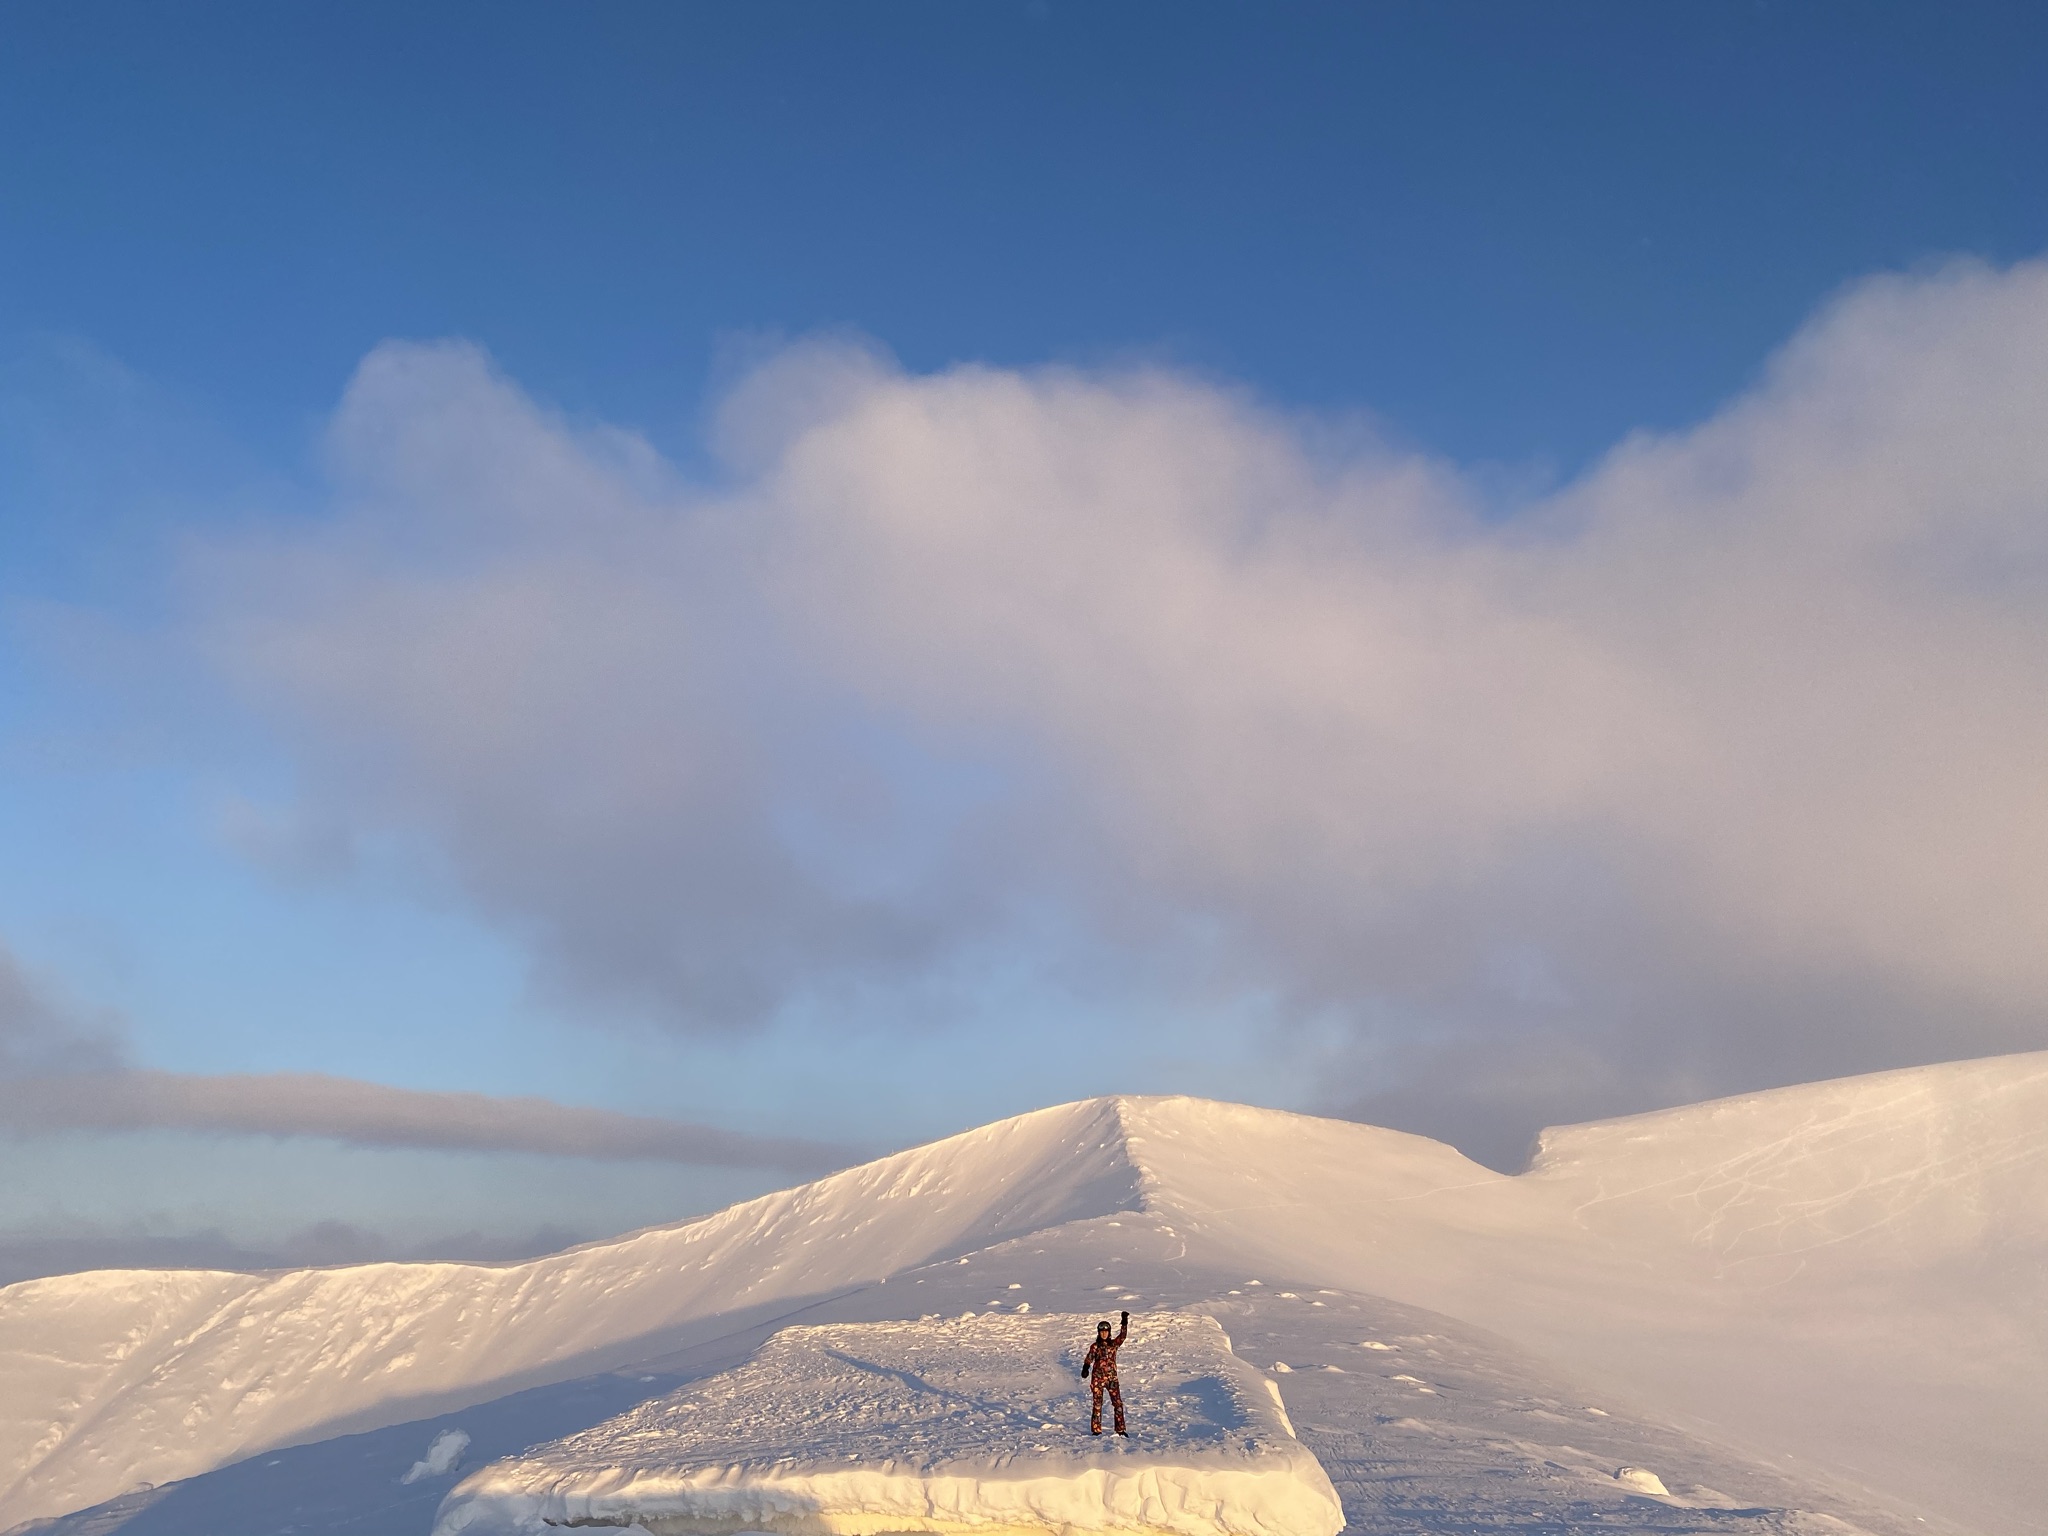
(1098, 1369)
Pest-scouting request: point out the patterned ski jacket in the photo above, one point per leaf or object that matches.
(1099, 1364)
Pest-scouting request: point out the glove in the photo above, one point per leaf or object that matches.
(1127, 1319)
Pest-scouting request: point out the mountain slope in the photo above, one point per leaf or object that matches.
(1854, 1272)
(1850, 1273)
(118, 1378)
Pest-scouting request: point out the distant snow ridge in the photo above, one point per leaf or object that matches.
(975, 1425)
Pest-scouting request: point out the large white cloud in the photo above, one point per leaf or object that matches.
(1726, 762)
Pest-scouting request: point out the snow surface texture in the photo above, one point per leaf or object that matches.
(972, 1425)
(1441, 1431)
(1827, 1298)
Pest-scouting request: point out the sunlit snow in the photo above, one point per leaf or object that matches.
(974, 1424)
(1830, 1299)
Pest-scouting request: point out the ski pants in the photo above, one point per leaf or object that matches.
(1097, 1385)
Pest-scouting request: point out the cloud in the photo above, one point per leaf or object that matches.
(62, 1072)
(1726, 763)
(522, 643)
(39, 1034)
(373, 1115)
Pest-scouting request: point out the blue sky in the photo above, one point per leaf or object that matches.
(924, 425)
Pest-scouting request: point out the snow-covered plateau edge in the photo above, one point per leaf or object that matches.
(973, 1424)
(1293, 1499)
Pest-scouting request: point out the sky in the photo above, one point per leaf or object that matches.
(604, 608)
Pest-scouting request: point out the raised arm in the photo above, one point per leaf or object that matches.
(1123, 1332)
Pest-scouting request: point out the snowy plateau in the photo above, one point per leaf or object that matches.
(860, 1429)
(1814, 1310)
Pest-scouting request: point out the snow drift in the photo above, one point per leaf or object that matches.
(973, 1425)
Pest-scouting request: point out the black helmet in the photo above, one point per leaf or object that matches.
(1103, 1326)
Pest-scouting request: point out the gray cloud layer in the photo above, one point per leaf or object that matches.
(373, 1115)
(59, 1072)
(39, 1035)
(1725, 764)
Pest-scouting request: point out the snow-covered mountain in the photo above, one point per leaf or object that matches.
(1846, 1283)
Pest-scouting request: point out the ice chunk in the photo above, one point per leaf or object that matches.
(969, 1427)
(442, 1456)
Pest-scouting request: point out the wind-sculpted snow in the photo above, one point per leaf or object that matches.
(972, 1425)
(1853, 1274)
(1896, 1169)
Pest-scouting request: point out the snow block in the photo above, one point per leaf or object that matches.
(975, 1426)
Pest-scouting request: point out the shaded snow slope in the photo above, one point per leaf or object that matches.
(1848, 1275)
(969, 1425)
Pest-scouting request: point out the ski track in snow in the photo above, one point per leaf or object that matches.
(1833, 1301)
